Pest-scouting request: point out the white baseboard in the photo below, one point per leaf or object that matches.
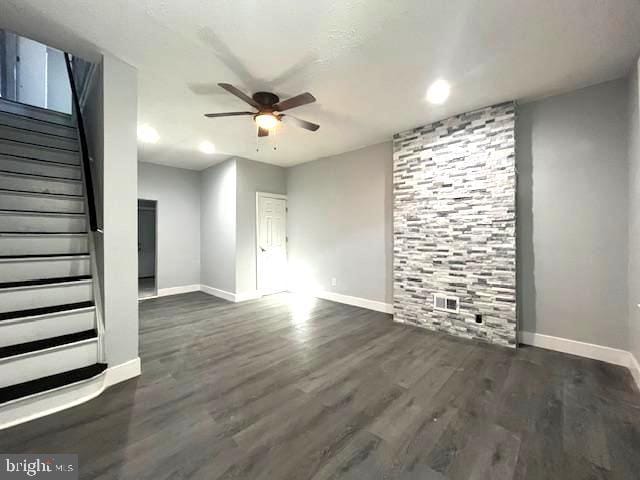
(124, 371)
(244, 296)
(355, 301)
(230, 296)
(634, 368)
(574, 347)
(163, 292)
(216, 292)
(62, 398)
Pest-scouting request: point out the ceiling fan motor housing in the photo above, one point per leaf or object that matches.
(267, 99)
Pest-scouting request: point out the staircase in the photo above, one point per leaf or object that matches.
(50, 331)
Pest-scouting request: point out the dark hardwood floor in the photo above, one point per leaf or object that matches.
(293, 388)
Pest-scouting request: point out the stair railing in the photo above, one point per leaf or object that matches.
(95, 232)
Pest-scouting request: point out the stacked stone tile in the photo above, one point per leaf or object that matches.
(454, 229)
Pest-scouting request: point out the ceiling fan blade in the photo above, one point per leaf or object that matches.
(240, 94)
(302, 123)
(294, 102)
(263, 132)
(227, 114)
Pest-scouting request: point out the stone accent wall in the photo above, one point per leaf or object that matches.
(454, 185)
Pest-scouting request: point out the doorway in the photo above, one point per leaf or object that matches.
(147, 248)
(271, 243)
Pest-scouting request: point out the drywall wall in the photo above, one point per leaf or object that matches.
(177, 192)
(454, 229)
(572, 215)
(633, 300)
(218, 226)
(339, 223)
(252, 177)
(120, 187)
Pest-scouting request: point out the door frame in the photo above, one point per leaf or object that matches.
(155, 259)
(260, 195)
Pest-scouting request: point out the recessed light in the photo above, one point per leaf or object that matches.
(207, 147)
(438, 92)
(147, 134)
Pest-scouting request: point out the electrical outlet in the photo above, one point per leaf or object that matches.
(334, 282)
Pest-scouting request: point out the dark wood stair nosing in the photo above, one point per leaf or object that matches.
(44, 281)
(51, 382)
(46, 343)
(40, 311)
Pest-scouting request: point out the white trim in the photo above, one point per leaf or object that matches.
(230, 296)
(574, 347)
(122, 372)
(355, 301)
(53, 401)
(163, 292)
(634, 368)
(216, 292)
(244, 296)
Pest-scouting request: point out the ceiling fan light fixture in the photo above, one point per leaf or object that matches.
(266, 120)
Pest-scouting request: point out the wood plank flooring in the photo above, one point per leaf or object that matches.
(293, 388)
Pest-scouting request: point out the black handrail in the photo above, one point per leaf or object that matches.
(86, 167)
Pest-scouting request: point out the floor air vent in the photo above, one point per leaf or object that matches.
(446, 303)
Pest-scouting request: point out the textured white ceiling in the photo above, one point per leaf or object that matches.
(368, 62)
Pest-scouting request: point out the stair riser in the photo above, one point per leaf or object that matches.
(12, 182)
(27, 136)
(37, 126)
(25, 298)
(17, 222)
(43, 245)
(47, 326)
(35, 365)
(19, 165)
(40, 153)
(18, 270)
(34, 203)
(37, 113)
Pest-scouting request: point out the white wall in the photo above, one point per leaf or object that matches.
(120, 207)
(572, 215)
(252, 177)
(218, 226)
(58, 88)
(177, 192)
(634, 213)
(340, 223)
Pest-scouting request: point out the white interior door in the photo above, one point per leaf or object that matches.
(271, 248)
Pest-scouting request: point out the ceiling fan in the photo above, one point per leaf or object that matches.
(269, 108)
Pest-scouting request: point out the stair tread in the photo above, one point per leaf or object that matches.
(44, 177)
(42, 212)
(45, 281)
(39, 194)
(37, 345)
(43, 255)
(34, 312)
(36, 145)
(41, 233)
(11, 156)
(51, 382)
(26, 108)
(52, 177)
(38, 132)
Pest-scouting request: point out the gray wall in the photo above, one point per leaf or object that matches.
(634, 213)
(177, 192)
(339, 223)
(572, 215)
(252, 177)
(454, 224)
(218, 226)
(120, 187)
